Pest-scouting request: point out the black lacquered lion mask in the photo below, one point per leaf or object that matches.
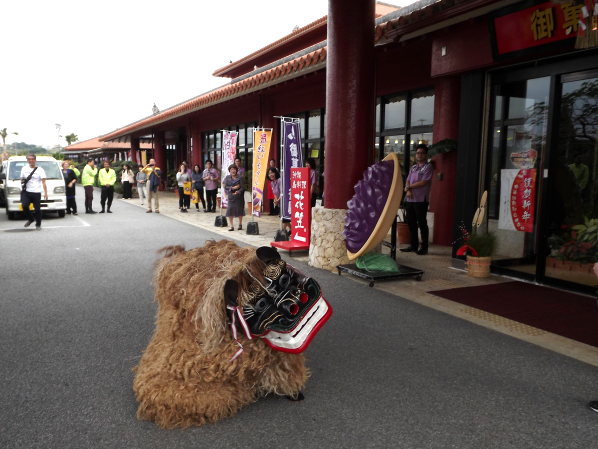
(272, 300)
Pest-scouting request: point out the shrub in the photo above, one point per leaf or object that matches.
(484, 244)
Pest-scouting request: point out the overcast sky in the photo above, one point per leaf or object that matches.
(97, 66)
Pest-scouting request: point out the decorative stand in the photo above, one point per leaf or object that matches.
(374, 276)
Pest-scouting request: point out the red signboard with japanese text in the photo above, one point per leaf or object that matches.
(539, 24)
(518, 193)
(300, 205)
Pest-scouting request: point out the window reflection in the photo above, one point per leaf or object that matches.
(422, 108)
(241, 136)
(394, 112)
(314, 125)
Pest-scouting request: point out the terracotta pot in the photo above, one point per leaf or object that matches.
(176, 192)
(403, 235)
(218, 201)
(478, 267)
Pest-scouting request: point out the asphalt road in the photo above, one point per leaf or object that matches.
(76, 312)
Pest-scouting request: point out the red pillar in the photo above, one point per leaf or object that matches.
(196, 136)
(160, 151)
(135, 149)
(446, 126)
(350, 97)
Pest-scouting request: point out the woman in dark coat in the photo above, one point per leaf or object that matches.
(233, 186)
(198, 185)
(70, 179)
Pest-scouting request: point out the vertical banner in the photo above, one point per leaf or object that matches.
(300, 205)
(261, 149)
(229, 152)
(517, 196)
(144, 158)
(292, 157)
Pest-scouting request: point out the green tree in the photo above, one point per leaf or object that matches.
(71, 138)
(4, 135)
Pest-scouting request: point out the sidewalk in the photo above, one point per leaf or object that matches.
(439, 275)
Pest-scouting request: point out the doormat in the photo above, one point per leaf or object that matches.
(562, 313)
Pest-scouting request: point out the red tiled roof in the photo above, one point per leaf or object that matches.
(393, 27)
(259, 80)
(388, 29)
(96, 143)
(90, 144)
(381, 10)
(320, 22)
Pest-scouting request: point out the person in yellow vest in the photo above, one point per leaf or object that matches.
(106, 180)
(87, 179)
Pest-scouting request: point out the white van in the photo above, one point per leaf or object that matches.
(10, 185)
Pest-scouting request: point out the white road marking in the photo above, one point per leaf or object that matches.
(82, 221)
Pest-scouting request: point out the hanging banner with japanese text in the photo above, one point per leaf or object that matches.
(300, 205)
(229, 152)
(261, 149)
(521, 29)
(517, 197)
(292, 157)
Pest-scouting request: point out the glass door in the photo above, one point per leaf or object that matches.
(518, 130)
(573, 212)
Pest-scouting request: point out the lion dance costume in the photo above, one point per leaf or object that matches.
(231, 326)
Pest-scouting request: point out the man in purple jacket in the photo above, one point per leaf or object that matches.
(417, 189)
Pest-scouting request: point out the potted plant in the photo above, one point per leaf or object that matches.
(483, 245)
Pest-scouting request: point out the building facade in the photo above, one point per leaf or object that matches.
(497, 88)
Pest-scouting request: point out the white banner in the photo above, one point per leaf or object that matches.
(229, 152)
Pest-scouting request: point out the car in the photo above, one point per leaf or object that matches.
(10, 185)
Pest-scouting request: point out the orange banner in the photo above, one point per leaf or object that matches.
(261, 139)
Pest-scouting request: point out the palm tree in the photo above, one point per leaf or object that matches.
(71, 138)
(4, 135)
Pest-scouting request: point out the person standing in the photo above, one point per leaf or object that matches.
(141, 178)
(274, 190)
(234, 189)
(314, 179)
(72, 167)
(183, 177)
(153, 174)
(87, 179)
(240, 168)
(198, 186)
(127, 180)
(211, 178)
(33, 180)
(70, 179)
(417, 189)
(106, 179)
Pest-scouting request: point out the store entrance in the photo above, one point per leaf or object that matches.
(542, 176)
(573, 212)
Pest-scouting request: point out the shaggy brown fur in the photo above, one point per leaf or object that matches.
(185, 377)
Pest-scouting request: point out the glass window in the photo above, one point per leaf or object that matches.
(218, 140)
(394, 112)
(250, 135)
(395, 144)
(516, 147)
(377, 115)
(314, 124)
(324, 121)
(211, 141)
(422, 108)
(241, 138)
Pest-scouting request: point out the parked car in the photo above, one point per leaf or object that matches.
(10, 185)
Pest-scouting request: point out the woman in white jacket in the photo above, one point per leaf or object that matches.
(182, 177)
(128, 179)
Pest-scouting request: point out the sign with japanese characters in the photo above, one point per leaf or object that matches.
(292, 157)
(300, 205)
(261, 149)
(229, 152)
(517, 30)
(517, 200)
